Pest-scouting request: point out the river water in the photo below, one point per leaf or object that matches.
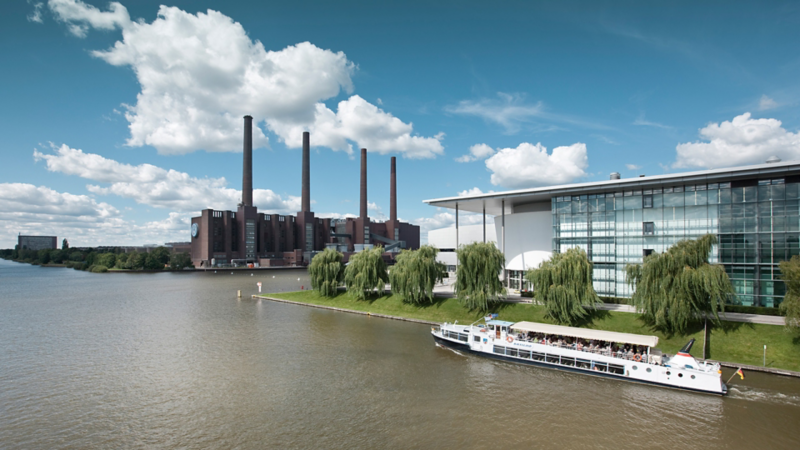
(175, 360)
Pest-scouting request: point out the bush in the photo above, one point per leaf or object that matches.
(415, 273)
(365, 272)
(97, 268)
(764, 311)
(326, 271)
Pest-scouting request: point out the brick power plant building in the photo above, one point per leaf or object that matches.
(246, 236)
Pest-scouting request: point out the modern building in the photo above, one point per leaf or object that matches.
(753, 210)
(246, 236)
(448, 239)
(37, 242)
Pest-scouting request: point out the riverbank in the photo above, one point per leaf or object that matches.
(735, 342)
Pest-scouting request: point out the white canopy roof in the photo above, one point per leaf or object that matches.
(585, 333)
(528, 260)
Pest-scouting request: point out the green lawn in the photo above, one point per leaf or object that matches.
(733, 342)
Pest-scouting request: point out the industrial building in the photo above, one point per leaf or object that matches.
(37, 242)
(753, 210)
(246, 236)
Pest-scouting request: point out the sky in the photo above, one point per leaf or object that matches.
(121, 121)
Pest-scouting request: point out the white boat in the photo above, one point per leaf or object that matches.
(629, 357)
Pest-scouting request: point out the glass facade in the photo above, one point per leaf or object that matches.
(757, 223)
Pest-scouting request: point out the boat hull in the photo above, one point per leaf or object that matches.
(462, 346)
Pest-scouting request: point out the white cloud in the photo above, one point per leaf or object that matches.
(509, 110)
(641, 121)
(476, 152)
(743, 140)
(474, 191)
(444, 219)
(36, 14)
(27, 200)
(154, 186)
(199, 74)
(79, 16)
(530, 165)
(380, 102)
(766, 103)
(359, 121)
(632, 167)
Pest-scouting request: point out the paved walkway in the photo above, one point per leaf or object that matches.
(447, 290)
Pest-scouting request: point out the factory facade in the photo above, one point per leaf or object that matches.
(246, 236)
(37, 242)
(754, 211)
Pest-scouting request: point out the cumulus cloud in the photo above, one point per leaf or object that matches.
(154, 186)
(476, 152)
(200, 73)
(632, 167)
(766, 103)
(743, 140)
(530, 165)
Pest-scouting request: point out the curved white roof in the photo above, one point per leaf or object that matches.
(528, 260)
(585, 333)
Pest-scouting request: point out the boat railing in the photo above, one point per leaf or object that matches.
(603, 351)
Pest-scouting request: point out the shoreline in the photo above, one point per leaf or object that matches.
(727, 364)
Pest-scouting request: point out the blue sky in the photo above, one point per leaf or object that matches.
(121, 121)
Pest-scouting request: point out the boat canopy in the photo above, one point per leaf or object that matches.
(502, 323)
(585, 333)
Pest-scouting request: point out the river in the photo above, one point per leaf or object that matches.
(175, 360)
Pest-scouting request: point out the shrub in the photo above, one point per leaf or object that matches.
(97, 268)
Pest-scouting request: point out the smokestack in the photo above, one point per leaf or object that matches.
(393, 191)
(363, 214)
(247, 175)
(306, 200)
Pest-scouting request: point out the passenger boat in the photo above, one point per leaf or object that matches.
(629, 357)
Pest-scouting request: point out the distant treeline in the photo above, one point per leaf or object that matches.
(93, 260)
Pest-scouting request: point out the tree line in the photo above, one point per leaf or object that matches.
(102, 260)
(671, 290)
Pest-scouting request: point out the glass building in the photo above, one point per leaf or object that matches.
(754, 211)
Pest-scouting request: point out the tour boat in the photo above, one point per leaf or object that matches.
(629, 357)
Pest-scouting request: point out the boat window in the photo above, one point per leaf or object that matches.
(680, 375)
(649, 370)
(613, 368)
(499, 349)
(476, 338)
(583, 363)
(693, 377)
(567, 361)
(600, 367)
(551, 359)
(635, 368)
(525, 354)
(537, 356)
(511, 351)
(668, 373)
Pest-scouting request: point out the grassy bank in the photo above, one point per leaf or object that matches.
(733, 342)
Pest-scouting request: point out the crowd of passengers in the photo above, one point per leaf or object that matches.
(623, 351)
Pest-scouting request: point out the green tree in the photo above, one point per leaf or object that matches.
(161, 254)
(153, 262)
(326, 271)
(43, 256)
(122, 260)
(563, 284)
(64, 244)
(673, 289)
(790, 306)
(106, 259)
(415, 273)
(179, 261)
(478, 275)
(136, 261)
(365, 272)
(57, 256)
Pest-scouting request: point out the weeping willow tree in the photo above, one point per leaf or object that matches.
(415, 273)
(326, 271)
(675, 288)
(366, 272)
(790, 306)
(478, 276)
(563, 285)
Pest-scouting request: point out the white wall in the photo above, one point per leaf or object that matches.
(526, 232)
(445, 238)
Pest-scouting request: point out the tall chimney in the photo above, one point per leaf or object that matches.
(363, 214)
(247, 175)
(393, 191)
(306, 199)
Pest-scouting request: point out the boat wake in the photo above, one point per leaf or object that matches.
(762, 395)
(450, 349)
